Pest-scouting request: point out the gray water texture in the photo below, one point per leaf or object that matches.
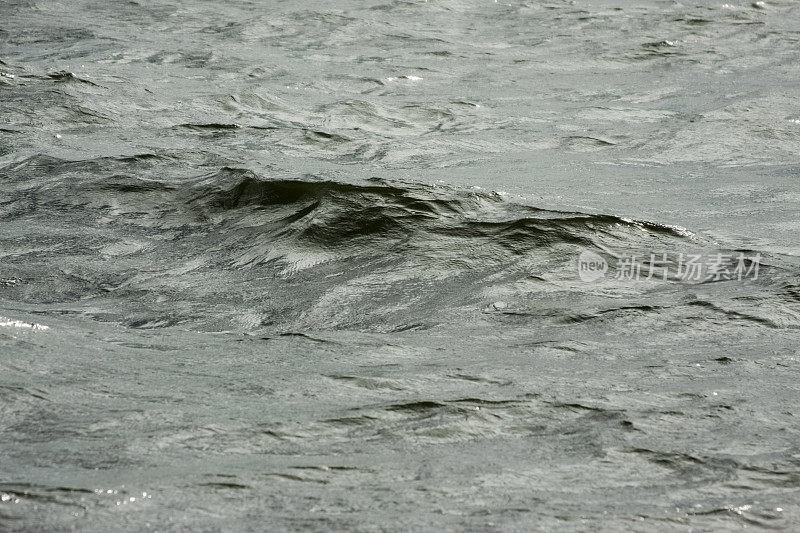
(314, 266)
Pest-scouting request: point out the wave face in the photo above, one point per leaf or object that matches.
(237, 250)
(231, 249)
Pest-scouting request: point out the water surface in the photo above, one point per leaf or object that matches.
(297, 266)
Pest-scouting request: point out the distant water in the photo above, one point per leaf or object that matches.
(361, 265)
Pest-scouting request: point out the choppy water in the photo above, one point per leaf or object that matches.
(302, 266)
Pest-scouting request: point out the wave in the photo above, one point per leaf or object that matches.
(342, 216)
(232, 248)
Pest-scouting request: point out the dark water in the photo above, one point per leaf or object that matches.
(302, 266)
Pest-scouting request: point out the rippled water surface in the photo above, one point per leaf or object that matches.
(282, 265)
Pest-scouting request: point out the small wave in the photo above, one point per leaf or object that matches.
(211, 126)
(64, 76)
(337, 213)
(299, 254)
